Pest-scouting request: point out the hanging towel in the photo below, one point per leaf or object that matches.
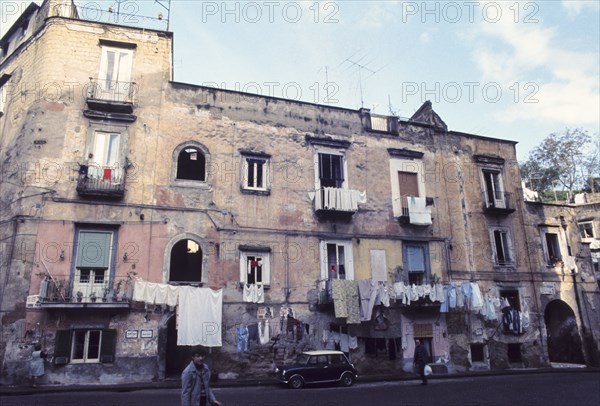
(107, 174)
(418, 212)
(200, 316)
(139, 290)
(172, 295)
(264, 336)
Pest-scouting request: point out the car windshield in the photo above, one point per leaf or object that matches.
(302, 359)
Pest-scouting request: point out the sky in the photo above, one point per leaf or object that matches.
(515, 70)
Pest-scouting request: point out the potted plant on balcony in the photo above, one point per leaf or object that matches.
(79, 296)
(105, 294)
(93, 297)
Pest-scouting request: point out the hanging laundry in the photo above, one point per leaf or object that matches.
(107, 174)
(352, 342)
(253, 332)
(241, 333)
(339, 298)
(200, 316)
(264, 336)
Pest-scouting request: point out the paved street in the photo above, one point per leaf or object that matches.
(581, 388)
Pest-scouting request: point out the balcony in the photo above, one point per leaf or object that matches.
(97, 181)
(59, 295)
(416, 210)
(110, 100)
(500, 204)
(337, 202)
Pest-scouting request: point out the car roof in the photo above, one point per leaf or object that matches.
(323, 352)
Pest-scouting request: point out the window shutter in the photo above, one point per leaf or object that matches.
(93, 249)
(62, 347)
(107, 348)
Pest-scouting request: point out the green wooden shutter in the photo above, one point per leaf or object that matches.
(107, 347)
(93, 249)
(62, 347)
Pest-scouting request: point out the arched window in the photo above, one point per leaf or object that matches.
(186, 262)
(191, 164)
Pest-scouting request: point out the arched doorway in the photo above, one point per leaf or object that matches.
(564, 341)
(177, 357)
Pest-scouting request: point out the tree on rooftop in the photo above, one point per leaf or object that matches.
(566, 159)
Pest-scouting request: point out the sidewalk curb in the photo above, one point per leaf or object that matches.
(266, 381)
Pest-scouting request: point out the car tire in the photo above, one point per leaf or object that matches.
(296, 382)
(347, 379)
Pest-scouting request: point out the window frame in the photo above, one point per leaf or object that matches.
(425, 275)
(2, 98)
(498, 189)
(340, 152)
(397, 166)
(507, 251)
(582, 230)
(348, 259)
(265, 256)
(65, 346)
(265, 172)
(76, 266)
(85, 359)
(127, 71)
(188, 150)
(550, 256)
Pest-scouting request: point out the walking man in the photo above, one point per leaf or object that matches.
(195, 381)
(420, 360)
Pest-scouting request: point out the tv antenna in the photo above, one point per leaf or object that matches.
(166, 7)
(361, 66)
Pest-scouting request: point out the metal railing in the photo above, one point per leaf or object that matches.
(102, 180)
(337, 199)
(116, 91)
(501, 201)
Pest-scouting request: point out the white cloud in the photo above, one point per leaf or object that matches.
(379, 14)
(575, 7)
(565, 82)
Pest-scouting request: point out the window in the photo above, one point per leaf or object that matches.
(331, 170)
(3, 92)
(493, 189)
(336, 260)
(514, 353)
(477, 354)
(2, 98)
(94, 263)
(255, 172)
(191, 164)
(255, 267)
(114, 78)
(416, 262)
(104, 156)
(407, 179)
(84, 346)
(502, 247)
(552, 245)
(512, 297)
(186, 262)
(586, 229)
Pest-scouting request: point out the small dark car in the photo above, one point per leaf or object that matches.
(317, 367)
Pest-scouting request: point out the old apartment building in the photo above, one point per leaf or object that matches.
(140, 216)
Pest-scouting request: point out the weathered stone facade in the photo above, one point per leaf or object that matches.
(230, 213)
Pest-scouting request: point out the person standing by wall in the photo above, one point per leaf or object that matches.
(420, 360)
(195, 381)
(36, 364)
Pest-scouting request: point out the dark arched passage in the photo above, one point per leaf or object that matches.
(564, 341)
